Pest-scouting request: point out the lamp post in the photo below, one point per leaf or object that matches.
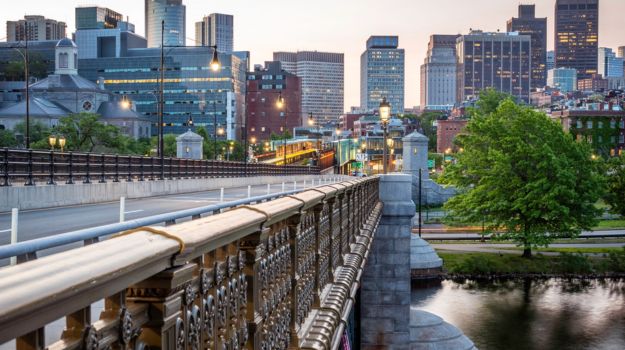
(338, 150)
(385, 114)
(282, 105)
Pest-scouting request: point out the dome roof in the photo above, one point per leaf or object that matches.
(66, 42)
(190, 136)
(415, 136)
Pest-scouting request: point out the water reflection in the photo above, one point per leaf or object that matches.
(531, 314)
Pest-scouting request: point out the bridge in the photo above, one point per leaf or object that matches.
(290, 269)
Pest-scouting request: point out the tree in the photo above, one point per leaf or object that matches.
(521, 173)
(615, 179)
(37, 68)
(426, 122)
(7, 139)
(84, 132)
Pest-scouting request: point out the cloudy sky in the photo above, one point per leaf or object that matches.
(264, 26)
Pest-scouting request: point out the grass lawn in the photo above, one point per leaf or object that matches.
(499, 264)
(589, 250)
(563, 241)
(610, 224)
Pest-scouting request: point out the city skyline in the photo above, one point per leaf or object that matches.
(340, 27)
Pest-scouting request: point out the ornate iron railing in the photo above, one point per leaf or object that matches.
(49, 167)
(275, 275)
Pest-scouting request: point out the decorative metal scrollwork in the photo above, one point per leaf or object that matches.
(221, 307)
(189, 295)
(193, 335)
(206, 281)
(90, 338)
(179, 334)
(209, 317)
(126, 327)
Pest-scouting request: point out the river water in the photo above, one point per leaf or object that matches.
(531, 314)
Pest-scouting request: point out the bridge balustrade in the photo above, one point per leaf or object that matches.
(274, 275)
(31, 167)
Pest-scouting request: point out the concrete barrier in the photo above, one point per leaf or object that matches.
(48, 196)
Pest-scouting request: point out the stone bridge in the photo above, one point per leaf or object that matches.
(292, 273)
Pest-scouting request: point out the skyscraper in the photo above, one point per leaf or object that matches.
(536, 28)
(101, 32)
(609, 65)
(323, 82)
(38, 28)
(94, 17)
(493, 60)
(216, 29)
(438, 72)
(382, 74)
(621, 51)
(551, 60)
(577, 35)
(173, 12)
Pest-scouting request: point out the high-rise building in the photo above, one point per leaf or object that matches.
(382, 74)
(577, 36)
(609, 65)
(264, 87)
(551, 60)
(173, 12)
(101, 32)
(621, 51)
(216, 29)
(94, 17)
(192, 91)
(438, 72)
(323, 82)
(35, 28)
(564, 79)
(493, 60)
(528, 24)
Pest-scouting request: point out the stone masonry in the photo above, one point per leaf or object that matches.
(385, 293)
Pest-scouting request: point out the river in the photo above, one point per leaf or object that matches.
(531, 314)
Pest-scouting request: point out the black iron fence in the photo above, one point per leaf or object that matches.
(29, 167)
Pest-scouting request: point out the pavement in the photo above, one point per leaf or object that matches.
(47, 222)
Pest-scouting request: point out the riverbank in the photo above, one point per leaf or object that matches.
(478, 265)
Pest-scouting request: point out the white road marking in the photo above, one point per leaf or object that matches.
(133, 211)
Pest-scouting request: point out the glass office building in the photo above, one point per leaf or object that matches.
(577, 36)
(564, 79)
(173, 12)
(213, 100)
(610, 66)
(528, 24)
(501, 61)
(382, 74)
(94, 17)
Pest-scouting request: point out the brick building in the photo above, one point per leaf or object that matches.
(263, 115)
(446, 132)
(595, 83)
(601, 124)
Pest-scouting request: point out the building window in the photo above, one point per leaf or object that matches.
(600, 125)
(262, 129)
(621, 139)
(589, 124)
(612, 123)
(75, 61)
(253, 129)
(63, 60)
(579, 124)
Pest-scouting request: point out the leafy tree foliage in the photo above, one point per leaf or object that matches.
(14, 70)
(521, 173)
(615, 178)
(426, 122)
(7, 139)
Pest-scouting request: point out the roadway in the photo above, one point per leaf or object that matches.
(46, 222)
(476, 236)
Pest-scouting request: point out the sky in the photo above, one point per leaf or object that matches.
(265, 26)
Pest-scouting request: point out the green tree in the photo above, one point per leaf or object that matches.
(615, 179)
(14, 70)
(38, 134)
(426, 122)
(7, 138)
(84, 132)
(521, 173)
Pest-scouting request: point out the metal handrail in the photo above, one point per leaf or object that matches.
(31, 166)
(27, 248)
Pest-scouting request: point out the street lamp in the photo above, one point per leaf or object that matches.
(281, 105)
(385, 114)
(52, 141)
(125, 102)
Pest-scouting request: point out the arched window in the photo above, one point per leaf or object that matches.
(63, 60)
(75, 61)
